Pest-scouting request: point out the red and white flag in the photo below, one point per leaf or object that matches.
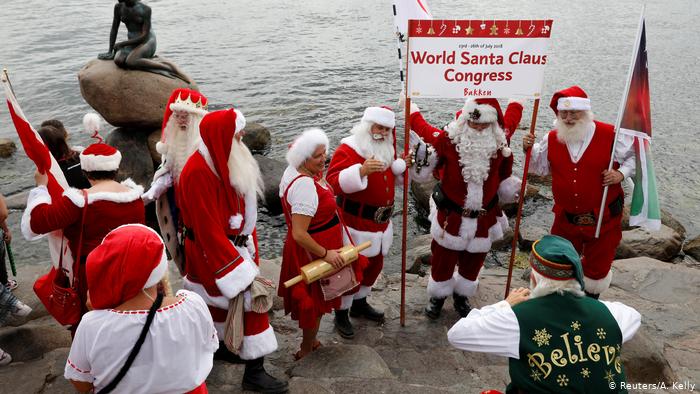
(409, 9)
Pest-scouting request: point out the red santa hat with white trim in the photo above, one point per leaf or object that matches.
(98, 156)
(570, 99)
(130, 258)
(386, 117)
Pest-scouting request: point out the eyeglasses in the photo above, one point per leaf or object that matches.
(570, 114)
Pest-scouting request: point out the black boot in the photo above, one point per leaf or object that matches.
(343, 325)
(255, 378)
(360, 308)
(461, 304)
(432, 310)
(594, 296)
(222, 353)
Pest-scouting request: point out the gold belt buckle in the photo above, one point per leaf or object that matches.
(383, 214)
(585, 219)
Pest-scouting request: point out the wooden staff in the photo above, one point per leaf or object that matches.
(514, 245)
(404, 228)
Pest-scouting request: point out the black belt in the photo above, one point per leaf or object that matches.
(238, 240)
(443, 202)
(589, 219)
(324, 226)
(379, 215)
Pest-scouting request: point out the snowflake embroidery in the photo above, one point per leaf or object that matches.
(562, 380)
(600, 333)
(575, 325)
(542, 337)
(506, 30)
(609, 376)
(419, 29)
(536, 375)
(585, 373)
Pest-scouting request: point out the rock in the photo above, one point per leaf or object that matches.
(44, 375)
(153, 139)
(342, 361)
(270, 269)
(421, 194)
(666, 219)
(533, 226)
(257, 137)
(17, 201)
(692, 248)
(511, 209)
(539, 180)
(127, 98)
(644, 361)
(660, 245)
(504, 243)
(136, 159)
(31, 341)
(7, 147)
(419, 253)
(272, 171)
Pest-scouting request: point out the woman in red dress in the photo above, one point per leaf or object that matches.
(314, 231)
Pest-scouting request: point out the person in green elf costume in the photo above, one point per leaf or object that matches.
(557, 340)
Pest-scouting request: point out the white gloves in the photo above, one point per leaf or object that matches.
(158, 187)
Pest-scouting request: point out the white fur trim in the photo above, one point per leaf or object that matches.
(381, 241)
(379, 115)
(398, 166)
(465, 239)
(37, 196)
(464, 286)
(187, 108)
(573, 104)
(204, 151)
(488, 114)
(92, 122)
(240, 121)
(159, 272)
(220, 302)
(76, 195)
(414, 108)
(440, 289)
(251, 213)
(161, 147)
(516, 101)
(259, 345)
(509, 189)
(239, 278)
(304, 146)
(475, 195)
(101, 162)
(597, 286)
(234, 222)
(362, 293)
(350, 179)
(346, 302)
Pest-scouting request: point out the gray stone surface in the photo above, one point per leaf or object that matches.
(666, 219)
(136, 158)
(257, 137)
(153, 138)
(127, 98)
(421, 195)
(7, 147)
(342, 361)
(662, 245)
(17, 201)
(692, 248)
(272, 171)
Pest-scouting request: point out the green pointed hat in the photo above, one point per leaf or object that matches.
(555, 258)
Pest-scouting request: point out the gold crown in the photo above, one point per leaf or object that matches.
(189, 103)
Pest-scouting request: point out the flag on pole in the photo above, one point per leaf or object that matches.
(39, 153)
(636, 122)
(409, 9)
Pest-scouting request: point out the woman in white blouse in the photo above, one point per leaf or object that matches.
(177, 334)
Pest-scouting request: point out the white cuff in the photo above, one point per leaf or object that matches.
(351, 181)
(37, 196)
(238, 280)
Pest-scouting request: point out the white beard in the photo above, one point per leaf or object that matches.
(475, 149)
(382, 150)
(574, 134)
(181, 144)
(243, 170)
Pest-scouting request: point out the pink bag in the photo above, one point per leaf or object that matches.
(337, 284)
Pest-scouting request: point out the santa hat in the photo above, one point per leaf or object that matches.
(380, 115)
(186, 100)
(570, 99)
(130, 258)
(217, 130)
(482, 110)
(98, 156)
(304, 146)
(556, 258)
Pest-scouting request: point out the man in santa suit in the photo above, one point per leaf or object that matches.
(577, 155)
(363, 173)
(179, 139)
(218, 194)
(474, 164)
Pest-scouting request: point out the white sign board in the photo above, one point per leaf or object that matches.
(470, 58)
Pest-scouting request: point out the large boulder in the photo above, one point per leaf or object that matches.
(136, 158)
(666, 219)
(7, 147)
(153, 139)
(692, 248)
(272, 171)
(257, 137)
(662, 245)
(127, 98)
(421, 194)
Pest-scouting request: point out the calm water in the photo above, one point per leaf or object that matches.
(292, 65)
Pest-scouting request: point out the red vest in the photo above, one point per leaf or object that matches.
(578, 187)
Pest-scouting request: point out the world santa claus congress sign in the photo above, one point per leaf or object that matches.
(474, 58)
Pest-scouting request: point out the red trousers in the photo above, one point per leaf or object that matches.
(443, 262)
(597, 254)
(374, 268)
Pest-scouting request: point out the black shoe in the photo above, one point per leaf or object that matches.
(432, 310)
(343, 325)
(222, 353)
(594, 296)
(255, 378)
(461, 304)
(360, 308)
